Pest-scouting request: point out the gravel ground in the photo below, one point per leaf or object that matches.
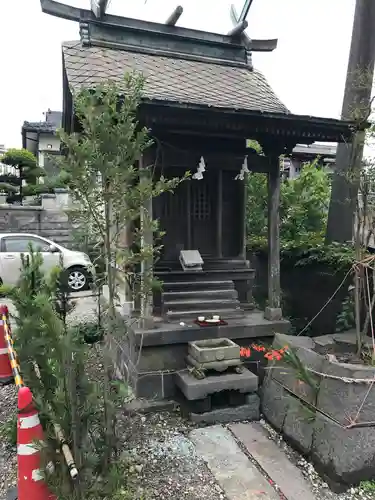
(164, 459)
(8, 458)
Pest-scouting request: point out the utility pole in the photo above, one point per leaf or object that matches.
(356, 103)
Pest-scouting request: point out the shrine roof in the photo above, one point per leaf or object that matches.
(174, 79)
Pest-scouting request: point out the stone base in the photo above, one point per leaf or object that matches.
(193, 388)
(148, 360)
(248, 411)
(273, 313)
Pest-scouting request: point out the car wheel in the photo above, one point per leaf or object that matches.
(78, 279)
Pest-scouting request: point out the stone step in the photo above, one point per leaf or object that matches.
(197, 285)
(226, 264)
(239, 478)
(186, 315)
(207, 303)
(273, 461)
(200, 295)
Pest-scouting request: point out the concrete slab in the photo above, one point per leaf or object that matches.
(248, 411)
(238, 477)
(193, 388)
(273, 461)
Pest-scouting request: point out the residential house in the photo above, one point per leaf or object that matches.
(41, 139)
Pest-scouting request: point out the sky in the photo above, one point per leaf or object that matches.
(307, 70)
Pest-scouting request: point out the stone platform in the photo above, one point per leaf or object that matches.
(219, 397)
(149, 359)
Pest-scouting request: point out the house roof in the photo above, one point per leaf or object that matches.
(173, 79)
(51, 123)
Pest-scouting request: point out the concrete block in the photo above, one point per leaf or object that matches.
(248, 411)
(274, 403)
(345, 455)
(193, 388)
(298, 425)
(341, 400)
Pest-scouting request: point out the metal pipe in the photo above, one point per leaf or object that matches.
(175, 16)
(238, 29)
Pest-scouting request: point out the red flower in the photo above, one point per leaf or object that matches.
(258, 348)
(245, 352)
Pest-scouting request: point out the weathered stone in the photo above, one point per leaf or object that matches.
(193, 388)
(248, 411)
(322, 342)
(238, 477)
(345, 455)
(292, 379)
(273, 461)
(281, 340)
(208, 350)
(274, 403)
(273, 313)
(298, 424)
(346, 341)
(343, 401)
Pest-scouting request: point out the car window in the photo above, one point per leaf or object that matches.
(22, 244)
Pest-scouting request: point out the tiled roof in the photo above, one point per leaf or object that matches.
(174, 80)
(39, 126)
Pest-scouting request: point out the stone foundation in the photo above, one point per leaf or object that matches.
(328, 418)
(149, 359)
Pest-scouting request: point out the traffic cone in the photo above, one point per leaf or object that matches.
(31, 485)
(6, 373)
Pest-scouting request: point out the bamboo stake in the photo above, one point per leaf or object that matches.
(60, 437)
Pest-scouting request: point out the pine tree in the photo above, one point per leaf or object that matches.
(24, 181)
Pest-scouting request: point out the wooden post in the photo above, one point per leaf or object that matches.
(273, 310)
(219, 214)
(188, 215)
(146, 309)
(244, 219)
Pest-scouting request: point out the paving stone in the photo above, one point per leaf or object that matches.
(273, 461)
(248, 411)
(298, 425)
(341, 400)
(345, 455)
(274, 403)
(238, 477)
(193, 388)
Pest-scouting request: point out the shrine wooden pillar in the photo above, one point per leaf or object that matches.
(273, 310)
(147, 241)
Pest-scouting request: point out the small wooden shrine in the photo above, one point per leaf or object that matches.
(203, 100)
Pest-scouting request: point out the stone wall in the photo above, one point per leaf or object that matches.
(330, 417)
(48, 220)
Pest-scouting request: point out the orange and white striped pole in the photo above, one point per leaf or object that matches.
(12, 355)
(30, 437)
(6, 371)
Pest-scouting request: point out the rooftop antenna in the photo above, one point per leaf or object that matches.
(175, 16)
